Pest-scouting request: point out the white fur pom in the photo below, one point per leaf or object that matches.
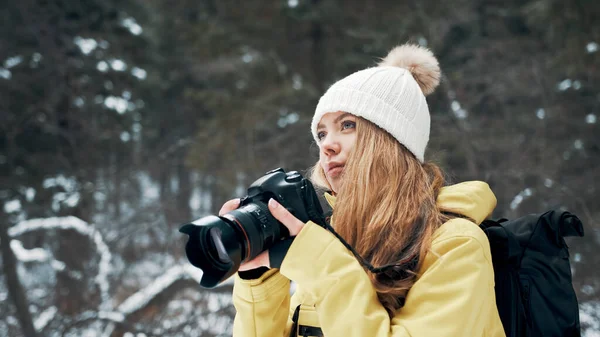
(421, 63)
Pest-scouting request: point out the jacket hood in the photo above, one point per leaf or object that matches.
(472, 199)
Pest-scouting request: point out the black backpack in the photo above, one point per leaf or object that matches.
(534, 290)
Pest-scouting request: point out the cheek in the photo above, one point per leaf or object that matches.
(349, 142)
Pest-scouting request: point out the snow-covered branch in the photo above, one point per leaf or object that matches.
(34, 255)
(141, 298)
(106, 312)
(85, 229)
(44, 318)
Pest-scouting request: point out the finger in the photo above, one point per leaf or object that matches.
(285, 217)
(229, 206)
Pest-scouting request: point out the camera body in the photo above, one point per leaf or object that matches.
(219, 244)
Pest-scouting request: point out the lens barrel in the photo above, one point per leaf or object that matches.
(218, 245)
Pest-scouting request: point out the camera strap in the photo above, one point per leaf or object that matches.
(362, 260)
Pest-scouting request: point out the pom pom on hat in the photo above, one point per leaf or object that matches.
(419, 61)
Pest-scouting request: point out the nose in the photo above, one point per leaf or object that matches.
(330, 145)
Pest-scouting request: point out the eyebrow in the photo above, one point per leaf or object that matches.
(336, 120)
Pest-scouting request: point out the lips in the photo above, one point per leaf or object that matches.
(334, 169)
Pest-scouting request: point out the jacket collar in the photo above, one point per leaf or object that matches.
(472, 199)
(330, 199)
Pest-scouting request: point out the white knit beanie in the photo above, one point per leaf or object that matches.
(390, 95)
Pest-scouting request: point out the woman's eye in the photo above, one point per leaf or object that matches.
(320, 135)
(348, 125)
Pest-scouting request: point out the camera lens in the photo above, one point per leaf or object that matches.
(217, 245)
(257, 226)
(214, 246)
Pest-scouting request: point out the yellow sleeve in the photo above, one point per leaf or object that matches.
(447, 300)
(262, 305)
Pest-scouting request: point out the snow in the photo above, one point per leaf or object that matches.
(29, 194)
(13, 61)
(518, 199)
(118, 65)
(458, 111)
(70, 200)
(589, 316)
(102, 66)
(112, 316)
(565, 84)
(588, 290)
(540, 113)
(145, 295)
(12, 206)
(79, 102)
(118, 104)
(141, 298)
(125, 136)
(5, 73)
(86, 45)
(68, 184)
(195, 199)
(11, 320)
(85, 229)
(35, 60)
(29, 255)
(247, 58)
(151, 190)
(288, 119)
(215, 324)
(44, 318)
(132, 25)
(297, 82)
(139, 73)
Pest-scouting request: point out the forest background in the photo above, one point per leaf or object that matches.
(120, 120)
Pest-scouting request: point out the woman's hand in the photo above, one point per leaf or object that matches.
(293, 225)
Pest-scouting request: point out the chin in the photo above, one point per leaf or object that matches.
(335, 185)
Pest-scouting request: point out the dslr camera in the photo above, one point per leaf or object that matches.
(219, 244)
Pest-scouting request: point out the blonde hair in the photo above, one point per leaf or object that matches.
(386, 209)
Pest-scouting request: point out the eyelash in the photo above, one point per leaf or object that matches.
(351, 123)
(345, 123)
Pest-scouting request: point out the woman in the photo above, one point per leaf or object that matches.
(372, 128)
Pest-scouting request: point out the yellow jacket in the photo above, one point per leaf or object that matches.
(453, 296)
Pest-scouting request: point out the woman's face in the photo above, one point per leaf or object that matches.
(336, 134)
